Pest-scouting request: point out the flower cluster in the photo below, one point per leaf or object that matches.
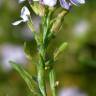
(67, 4)
(64, 3)
(25, 14)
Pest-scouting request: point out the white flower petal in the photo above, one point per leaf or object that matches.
(50, 2)
(35, 0)
(25, 13)
(82, 1)
(20, 1)
(17, 22)
(77, 2)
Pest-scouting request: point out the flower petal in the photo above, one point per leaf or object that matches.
(17, 22)
(35, 0)
(25, 13)
(50, 3)
(77, 2)
(20, 1)
(82, 1)
(65, 4)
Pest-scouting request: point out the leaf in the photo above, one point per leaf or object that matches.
(58, 21)
(30, 49)
(27, 78)
(52, 81)
(17, 22)
(88, 62)
(62, 47)
(41, 77)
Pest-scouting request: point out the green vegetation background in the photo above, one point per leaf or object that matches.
(76, 67)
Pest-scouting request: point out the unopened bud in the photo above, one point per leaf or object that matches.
(61, 49)
(47, 67)
(58, 22)
(38, 8)
(57, 83)
(41, 10)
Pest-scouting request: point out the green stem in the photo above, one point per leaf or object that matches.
(52, 82)
(42, 53)
(31, 26)
(41, 77)
(41, 71)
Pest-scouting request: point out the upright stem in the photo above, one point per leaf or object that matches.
(52, 82)
(41, 71)
(42, 53)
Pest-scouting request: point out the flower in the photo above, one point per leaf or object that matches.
(50, 3)
(20, 1)
(25, 13)
(72, 91)
(67, 4)
(64, 3)
(7, 54)
(77, 2)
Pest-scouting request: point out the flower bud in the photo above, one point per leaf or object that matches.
(58, 22)
(39, 9)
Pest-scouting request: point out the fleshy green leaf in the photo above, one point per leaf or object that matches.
(52, 81)
(41, 77)
(62, 47)
(30, 49)
(27, 77)
(58, 21)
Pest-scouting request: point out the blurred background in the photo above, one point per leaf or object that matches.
(75, 69)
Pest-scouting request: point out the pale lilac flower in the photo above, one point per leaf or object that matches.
(49, 3)
(67, 4)
(81, 28)
(14, 53)
(25, 13)
(64, 3)
(20, 1)
(72, 91)
(45, 2)
(77, 2)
